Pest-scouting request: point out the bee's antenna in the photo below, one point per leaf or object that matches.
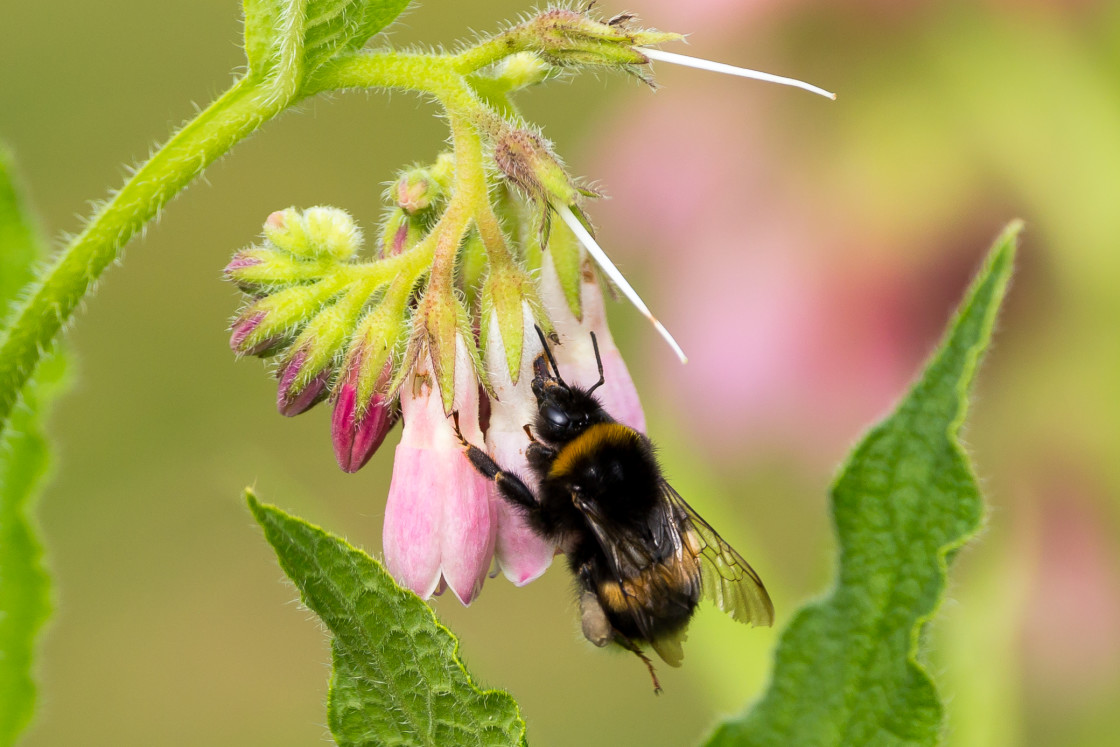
(599, 363)
(548, 352)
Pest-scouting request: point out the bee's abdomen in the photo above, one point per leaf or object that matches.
(660, 599)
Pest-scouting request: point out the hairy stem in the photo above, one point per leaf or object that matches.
(53, 298)
(233, 116)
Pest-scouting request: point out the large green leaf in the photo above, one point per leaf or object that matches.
(293, 37)
(24, 583)
(846, 669)
(397, 677)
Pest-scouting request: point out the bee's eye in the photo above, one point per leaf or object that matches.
(556, 416)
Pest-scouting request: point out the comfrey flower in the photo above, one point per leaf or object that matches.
(439, 524)
(521, 554)
(436, 327)
(575, 318)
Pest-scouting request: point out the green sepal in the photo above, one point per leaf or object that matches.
(847, 668)
(440, 313)
(261, 270)
(652, 38)
(471, 263)
(506, 292)
(466, 331)
(397, 676)
(377, 341)
(566, 254)
(325, 337)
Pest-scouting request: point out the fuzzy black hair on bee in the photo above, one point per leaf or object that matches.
(641, 557)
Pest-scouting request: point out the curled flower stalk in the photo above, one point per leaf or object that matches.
(476, 249)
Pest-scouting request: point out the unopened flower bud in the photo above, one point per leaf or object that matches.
(363, 413)
(416, 190)
(245, 337)
(295, 396)
(527, 161)
(522, 70)
(316, 232)
(401, 232)
(359, 424)
(568, 37)
(260, 270)
(270, 323)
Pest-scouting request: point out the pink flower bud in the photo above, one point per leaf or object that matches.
(522, 554)
(243, 328)
(292, 399)
(240, 261)
(357, 427)
(438, 526)
(414, 192)
(575, 354)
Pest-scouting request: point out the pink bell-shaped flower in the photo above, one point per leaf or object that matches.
(439, 527)
(522, 554)
(575, 354)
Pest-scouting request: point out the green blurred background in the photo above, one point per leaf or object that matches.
(807, 254)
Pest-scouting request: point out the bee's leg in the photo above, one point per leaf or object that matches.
(593, 618)
(629, 645)
(539, 455)
(509, 484)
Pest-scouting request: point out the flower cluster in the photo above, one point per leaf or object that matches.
(440, 317)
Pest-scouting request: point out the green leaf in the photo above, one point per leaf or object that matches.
(20, 246)
(846, 669)
(397, 676)
(24, 583)
(290, 38)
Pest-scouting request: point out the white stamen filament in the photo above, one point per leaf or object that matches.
(719, 67)
(616, 277)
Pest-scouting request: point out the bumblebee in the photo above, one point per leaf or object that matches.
(642, 558)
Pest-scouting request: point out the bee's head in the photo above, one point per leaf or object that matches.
(563, 411)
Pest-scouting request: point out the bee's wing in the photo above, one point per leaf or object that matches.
(629, 555)
(626, 553)
(727, 579)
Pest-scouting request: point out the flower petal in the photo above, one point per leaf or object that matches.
(413, 516)
(522, 554)
(575, 354)
(439, 526)
(467, 532)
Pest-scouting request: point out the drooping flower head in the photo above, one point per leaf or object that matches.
(436, 327)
